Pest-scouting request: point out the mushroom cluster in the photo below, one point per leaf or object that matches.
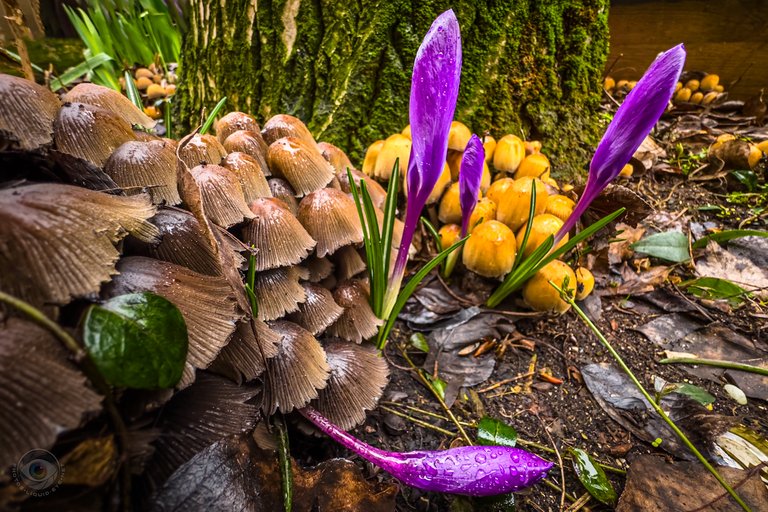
(95, 206)
(513, 169)
(155, 85)
(694, 89)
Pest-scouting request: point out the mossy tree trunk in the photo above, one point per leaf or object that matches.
(530, 67)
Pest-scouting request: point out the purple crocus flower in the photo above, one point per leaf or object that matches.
(632, 123)
(468, 470)
(434, 90)
(470, 175)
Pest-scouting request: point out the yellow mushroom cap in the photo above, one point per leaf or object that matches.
(693, 85)
(498, 188)
(540, 295)
(560, 206)
(395, 147)
(532, 147)
(542, 227)
(755, 154)
(697, 97)
(609, 83)
(458, 136)
(449, 235)
(453, 159)
(370, 157)
(491, 249)
(535, 165)
(484, 210)
(510, 151)
(407, 131)
(485, 179)
(627, 171)
(489, 145)
(515, 203)
(450, 207)
(763, 146)
(585, 283)
(683, 94)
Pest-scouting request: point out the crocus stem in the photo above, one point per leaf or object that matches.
(648, 397)
(718, 363)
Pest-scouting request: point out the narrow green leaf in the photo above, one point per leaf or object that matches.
(725, 236)
(132, 91)
(75, 72)
(167, 118)
(695, 392)
(284, 457)
(433, 231)
(713, 288)
(137, 341)
(493, 432)
(212, 116)
(528, 224)
(593, 477)
(669, 245)
(390, 212)
(437, 384)
(419, 342)
(409, 288)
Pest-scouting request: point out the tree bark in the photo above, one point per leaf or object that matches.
(532, 68)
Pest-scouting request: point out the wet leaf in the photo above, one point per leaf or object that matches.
(713, 288)
(593, 477)
(734, 267)
(724, 236)
(137, 340)
(699, 394)
(670, 246)
(419, 342)
(493, 432)
(438, 384)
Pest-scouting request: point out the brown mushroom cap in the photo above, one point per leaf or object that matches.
(284, 125)
(299, 163)
(283, 191)
(335, 156)
(331, 218)
(358, 377)
(90, 132)
(318, 311)
(27, 111)
(244, 357)
(201, 150)
(183, 242)
(152, 165)
(222, 195)
(207, 303)
(358, 322)
(279, 238)
(235, 121)
(376, 191)
(58, 241)
(297, 372)
(317, 268)
(43, 393)
(247, 142)
(109, 99)
(348, 262)
(278, 292)
(250, 175)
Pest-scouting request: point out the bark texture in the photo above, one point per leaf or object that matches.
(530, 67)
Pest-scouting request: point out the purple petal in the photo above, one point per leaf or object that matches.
(468, 470)
(470, 175)
(632, 123)
(434, 90)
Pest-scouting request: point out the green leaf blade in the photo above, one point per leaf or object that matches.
(669, 245)
(493, 432)
(593, 477)
(137, 341)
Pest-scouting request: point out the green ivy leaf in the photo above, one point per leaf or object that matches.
(593, 477)
(493, 432)
(670, 246)
(137, 341)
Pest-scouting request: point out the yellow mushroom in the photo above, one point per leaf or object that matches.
(458, 136)
(498, 188)
(450, 206)
(489, 145)
(709, 82)
(510, 151)
(369, 164)
(396, 147)
(407, 131)
(683, 94)
(560, 206)
(485, 209)
(627, 171)
(535, 165)
(514, 204)
(542, 227)
(542, 296)
(585, 283)
(491, 249)
(609, 83)
(449, 235)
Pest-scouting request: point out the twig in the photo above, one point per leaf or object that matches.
(428, 413)
(559, 459)
(88, 367)
(437, 396)
(718, 363)
(505, 381)
(418, 421)
(648, 397)
(579, 504)
(552, 485)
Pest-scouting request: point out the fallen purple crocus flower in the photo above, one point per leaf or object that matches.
(467, 470)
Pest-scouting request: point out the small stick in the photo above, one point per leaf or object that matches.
(505, 381)
(418, 421)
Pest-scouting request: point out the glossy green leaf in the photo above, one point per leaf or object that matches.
(438, 385)
(137, 340)
(713, 288)
(695, 392)
(670, 246)
(724, 236)
(419, 342)
(593, 477)
(493, 432)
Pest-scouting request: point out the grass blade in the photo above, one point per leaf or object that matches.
(212, 116)
(132, 91)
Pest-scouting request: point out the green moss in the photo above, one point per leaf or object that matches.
(531, 68)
